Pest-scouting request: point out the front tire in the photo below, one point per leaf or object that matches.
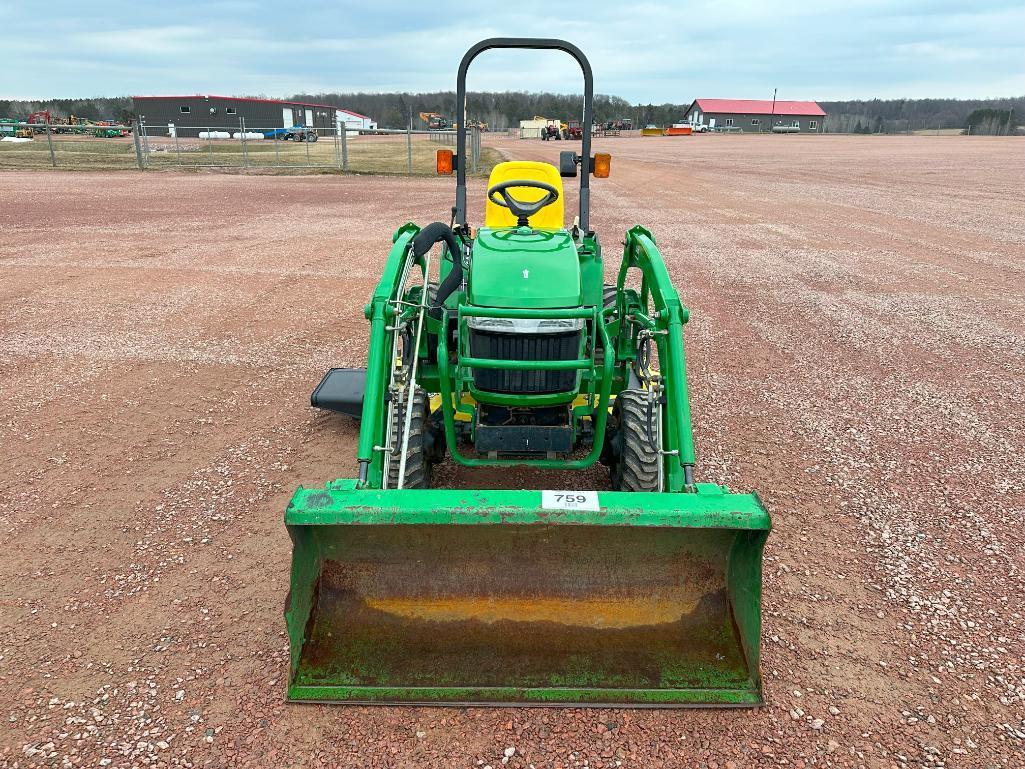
(635, 458)
(608, 295)
(418, 461)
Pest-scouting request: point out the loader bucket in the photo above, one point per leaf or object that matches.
(464, 597)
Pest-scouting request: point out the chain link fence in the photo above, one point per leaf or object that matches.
(145, 147)
(81, 146)
(408, 151)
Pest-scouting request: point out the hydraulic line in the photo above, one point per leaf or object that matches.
(411, 378)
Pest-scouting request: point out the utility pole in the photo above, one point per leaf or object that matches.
(772, 117)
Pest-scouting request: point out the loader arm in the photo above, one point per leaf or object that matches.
(665, 321)
(380, 312)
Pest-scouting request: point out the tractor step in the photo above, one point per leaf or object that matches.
(525, 597)
(341, 390)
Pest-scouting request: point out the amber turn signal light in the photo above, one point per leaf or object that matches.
(602, 165)
(445, 162)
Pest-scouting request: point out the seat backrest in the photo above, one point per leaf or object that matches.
(548, 218)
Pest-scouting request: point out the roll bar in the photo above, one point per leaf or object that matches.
(585, 150)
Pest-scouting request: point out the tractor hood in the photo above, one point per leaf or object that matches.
(521, 267)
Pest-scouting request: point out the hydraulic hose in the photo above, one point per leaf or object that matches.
(423, 242)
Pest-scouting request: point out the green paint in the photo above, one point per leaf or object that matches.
(521, 267)
(640, 252)
(527, 365)
(379, 312)
(340, 503)
(525, 696)
(517, 312)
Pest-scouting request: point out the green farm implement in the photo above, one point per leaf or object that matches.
(504, 348)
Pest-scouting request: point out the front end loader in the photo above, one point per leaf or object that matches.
(504, 347)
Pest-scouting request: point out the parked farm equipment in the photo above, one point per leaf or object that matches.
(296, 133)
(573, 130)
(107, 129)
(612, 127)
(36, 123)
(679, 129)
(506, 349)
(435, 121)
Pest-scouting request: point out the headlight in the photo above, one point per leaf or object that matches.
(526, 325)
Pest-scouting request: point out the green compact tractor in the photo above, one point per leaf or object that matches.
(504, 347)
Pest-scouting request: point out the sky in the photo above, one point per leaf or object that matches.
(642, 51)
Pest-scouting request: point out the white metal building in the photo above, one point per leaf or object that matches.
(353, 121)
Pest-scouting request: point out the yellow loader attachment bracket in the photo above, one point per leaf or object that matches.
(525, 597)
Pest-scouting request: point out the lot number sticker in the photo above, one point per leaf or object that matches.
(569, 500)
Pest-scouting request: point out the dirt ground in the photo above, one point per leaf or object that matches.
(856, 352)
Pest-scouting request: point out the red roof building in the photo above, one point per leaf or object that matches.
(756, 115)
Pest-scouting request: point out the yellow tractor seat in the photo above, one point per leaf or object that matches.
(549, 217)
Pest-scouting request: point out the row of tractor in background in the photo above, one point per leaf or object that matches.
(537, 127)
(548, 129)
(42, 121)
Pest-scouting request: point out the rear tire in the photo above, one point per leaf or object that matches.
(418, 463)
(635, 457)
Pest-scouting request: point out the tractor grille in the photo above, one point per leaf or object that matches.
(488, 344)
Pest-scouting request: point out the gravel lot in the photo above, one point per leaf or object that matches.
(857, 354)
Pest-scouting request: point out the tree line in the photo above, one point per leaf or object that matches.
(118, 108)
(908, 115)
(505, 110)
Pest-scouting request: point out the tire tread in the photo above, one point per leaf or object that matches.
(418, 468)
(636, 468)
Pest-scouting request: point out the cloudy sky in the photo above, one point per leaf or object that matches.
(642, 51)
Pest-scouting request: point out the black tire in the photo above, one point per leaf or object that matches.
(635, 457)
(418, 462)
(311, 137)
(432, 340)
(608, 295)
(413, 295)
